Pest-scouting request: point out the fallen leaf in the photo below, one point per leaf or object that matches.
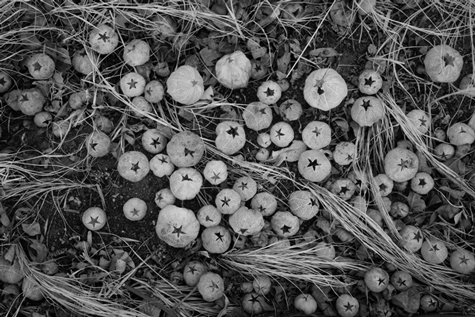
(129, 136)
(457, 217)
(149, 308)
(208, 94)
(40, 251)
(324, 52)
(342, 124)
(283, 62)
(31, 229)
(289, 154)
(416, 202)
(457, 194)
(209, 56)
(447, 211)
(324, 224)
(408, 300)
(295, 46)
(456, 165)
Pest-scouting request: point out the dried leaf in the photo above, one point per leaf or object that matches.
(30, 41)
(423, 166)
(447, 211)
(208, 94)
(40, 251)
(225, 307)
(295, 46)
(342, 123)
(457, 194)
(58, 53)
(283, 62)
(150, 309)
(433, 218)
(408, 300)
(129, 136)
(166, 131)
(471, 122)
(186, 114)
(31, 229)
(5, 220)
(44, 86)
(456, 165)
(457, 217)
(323, 224)
(209, 56)
(324, 52)
(58, 79)
(289, 154)
(416, 202)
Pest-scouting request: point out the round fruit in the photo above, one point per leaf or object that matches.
(376, 279)
(462, 261)
(434, 251)
(347, 305)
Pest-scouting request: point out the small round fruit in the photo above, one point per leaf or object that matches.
(104, 124)
(401, 280)
(40, 66)
(42, 119)
(370, 82)
(154, 91)
(269, 92)
(462, 261)
(216, 239)
(164, 197)
(281, 134)
(192, 272)
(444, 151)
(305, 303)
(434, 251)
(262, 284)
(31, 101)
(133, 166)
(136, 53)
(98, 144)
(376, 279)
(61, 128)
(103, 39)
(141, 107)
(429, 303)
(314, 166)
(85, 62)
(325, 250)
(5, 82)
(251, 303)
(209, 216)
(94, 218)
(422, 183)
(411, 238)
(347, 305)
(211, 286)
(135, 209)
(153, 141)
(420, 120)
(132, 84)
